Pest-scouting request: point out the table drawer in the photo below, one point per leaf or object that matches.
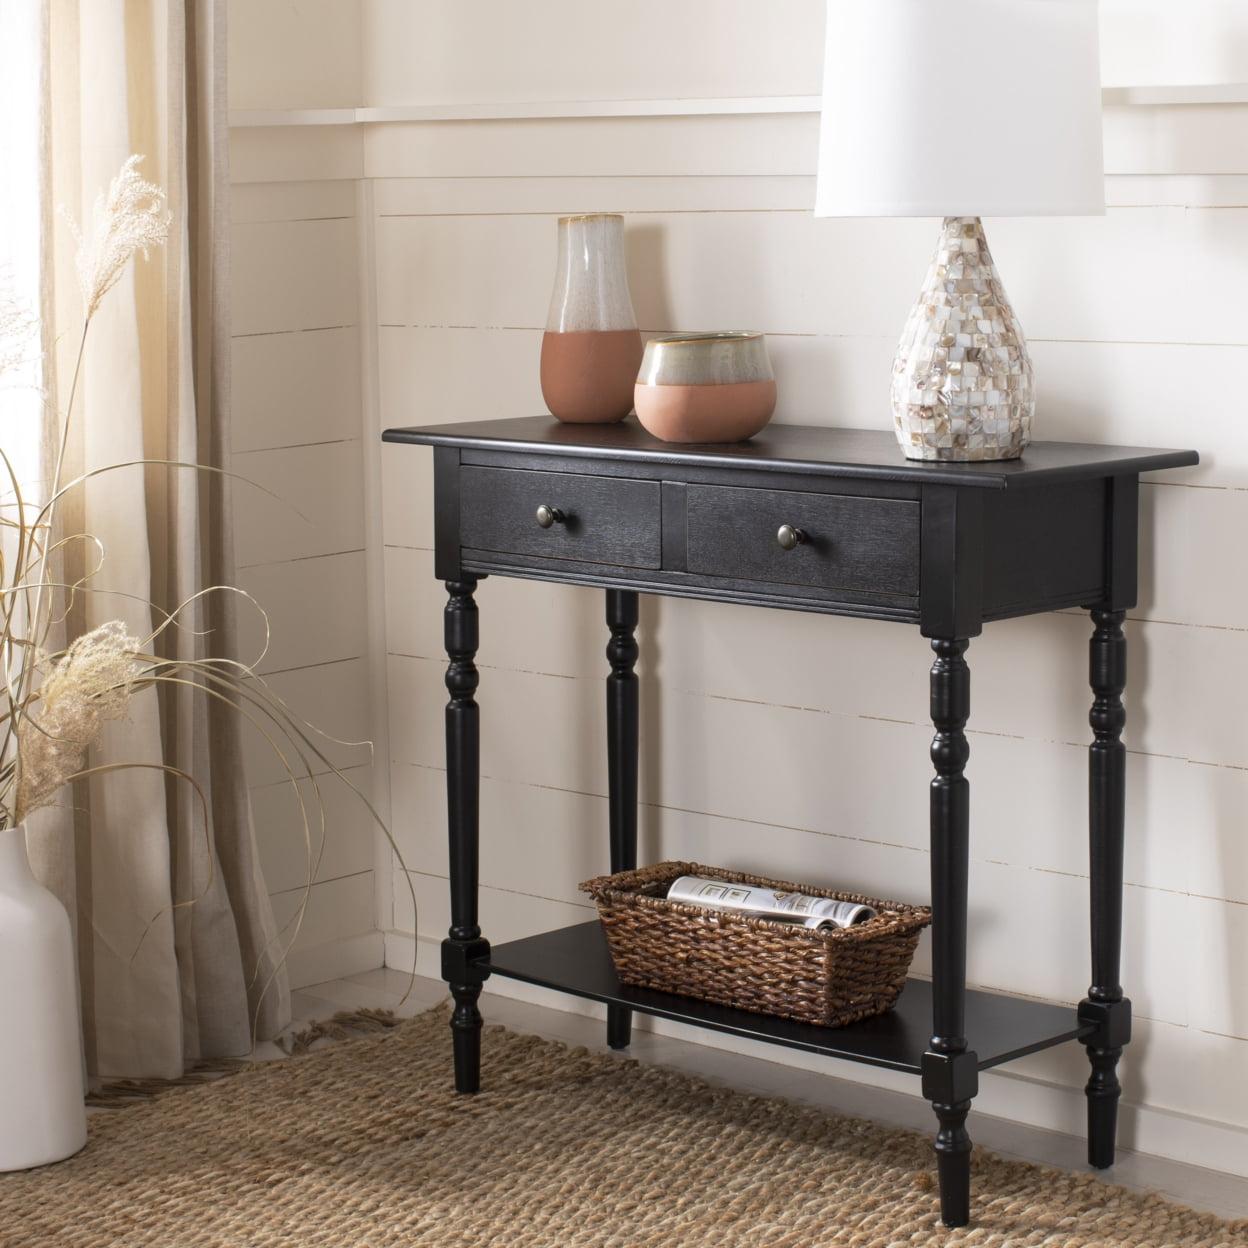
(611, 520)
(848, 542)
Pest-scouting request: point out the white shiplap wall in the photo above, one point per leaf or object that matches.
(789, 743)
(298, 434)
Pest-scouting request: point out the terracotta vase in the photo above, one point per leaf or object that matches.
(706, 387)
(592, 348)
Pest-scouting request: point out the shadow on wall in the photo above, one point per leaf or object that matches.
(650, 787)
(646, 248)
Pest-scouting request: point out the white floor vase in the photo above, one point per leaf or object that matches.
(42, 1114)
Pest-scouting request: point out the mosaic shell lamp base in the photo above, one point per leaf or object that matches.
(963, 386)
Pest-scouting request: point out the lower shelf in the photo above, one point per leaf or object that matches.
(998, 1028)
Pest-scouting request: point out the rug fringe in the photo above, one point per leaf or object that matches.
(117, 1093)
(345, 1025)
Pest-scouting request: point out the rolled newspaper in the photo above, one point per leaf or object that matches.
(768, 903)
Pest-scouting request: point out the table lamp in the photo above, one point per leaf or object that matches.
(961, 109)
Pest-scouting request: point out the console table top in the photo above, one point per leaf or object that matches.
(853, 453)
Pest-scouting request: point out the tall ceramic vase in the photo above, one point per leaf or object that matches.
(592, 348)
(42, 1115)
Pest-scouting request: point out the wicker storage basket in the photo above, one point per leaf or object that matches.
(825, 977)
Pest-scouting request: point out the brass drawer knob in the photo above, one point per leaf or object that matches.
(789, 537)
(548, 516)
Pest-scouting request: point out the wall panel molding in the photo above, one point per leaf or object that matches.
(1188, 131)
(529, 110)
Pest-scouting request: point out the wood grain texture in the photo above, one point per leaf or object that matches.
(849, 543)
(575, 960)
(623, 759)
(819, 451)
(605, 520)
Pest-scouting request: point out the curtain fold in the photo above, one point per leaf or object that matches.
(179, 955)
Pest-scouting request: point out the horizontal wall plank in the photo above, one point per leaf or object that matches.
(295, 388)
(288, 851)
(335, 910)
(332, 698)
(337, 959)
(295, 154)
(755, 269)
(293, 275)
(1177, 139)
(255, 202)
(511, 196)
(441, 51)
(309, 502)
(512, 915)
(407, 494)
(437, 375)
(1159, 138)
(1182, 555)
(317, 611)
(614, 147)
(1147, 41)
(1178, 191)
(416, 196)
(284, 55)
(1215, 978)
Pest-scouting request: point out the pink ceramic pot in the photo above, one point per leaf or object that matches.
(705, 387)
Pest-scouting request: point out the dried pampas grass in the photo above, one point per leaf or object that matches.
(87, 686)
(18, 328)
(53, 706)
(130, 217)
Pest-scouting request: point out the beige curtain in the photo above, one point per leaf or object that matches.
(164, 984)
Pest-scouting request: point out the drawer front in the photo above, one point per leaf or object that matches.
(611, 520)
(864, 544)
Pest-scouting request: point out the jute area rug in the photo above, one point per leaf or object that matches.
(363, 1143)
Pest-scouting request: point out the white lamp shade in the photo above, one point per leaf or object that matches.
(961, 108)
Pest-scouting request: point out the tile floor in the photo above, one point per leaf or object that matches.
(1195, 1186)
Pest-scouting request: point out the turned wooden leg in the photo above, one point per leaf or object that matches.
(463, 950)
(622, 750)
(950, 1069)
(1105, 1006)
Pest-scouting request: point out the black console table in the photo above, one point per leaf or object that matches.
(810, 519)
